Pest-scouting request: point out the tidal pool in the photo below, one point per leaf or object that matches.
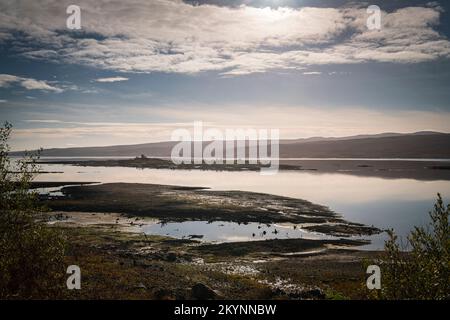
(385, 203)
(223, 231)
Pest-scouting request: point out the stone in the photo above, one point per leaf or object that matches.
(201, 291)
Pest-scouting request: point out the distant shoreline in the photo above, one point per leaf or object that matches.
(420, 145)
(386, 168)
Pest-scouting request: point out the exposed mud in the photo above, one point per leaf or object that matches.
(173, 203)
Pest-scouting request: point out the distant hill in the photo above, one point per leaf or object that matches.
(160, 149)
(361, 136)
(423, 144)
(435, 145)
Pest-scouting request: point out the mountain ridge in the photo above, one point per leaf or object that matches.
(422, 144)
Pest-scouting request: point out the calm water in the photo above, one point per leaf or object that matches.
(385, 203)
(222, 231)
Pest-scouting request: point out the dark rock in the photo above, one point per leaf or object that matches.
(195, 236)
(162, 294)
(201, 291)
(315, 293)
(171, 257)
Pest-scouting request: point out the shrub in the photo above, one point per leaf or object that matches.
(424, 271)
(31, 253)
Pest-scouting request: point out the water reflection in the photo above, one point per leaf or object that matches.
(384, 203)
(222, 231)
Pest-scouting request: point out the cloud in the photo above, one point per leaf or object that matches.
(59, 133)
(293, 122)
(90, 91)
(312, 73)
(299, 121)
(95, 124)
(112, 79)
(176, 37)
(28, 83)
(43, 121)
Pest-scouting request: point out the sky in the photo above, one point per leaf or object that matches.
(137, 70)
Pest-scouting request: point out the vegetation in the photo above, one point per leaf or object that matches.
(424, 271)
(31, 264)
(33, 256)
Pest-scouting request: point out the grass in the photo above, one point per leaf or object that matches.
(120, 265)
(112, 269)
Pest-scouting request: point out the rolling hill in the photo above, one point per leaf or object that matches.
(388, 145)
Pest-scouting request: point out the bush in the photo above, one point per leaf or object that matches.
(31, 253)
(424, 271)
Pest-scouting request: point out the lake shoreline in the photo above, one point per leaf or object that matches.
(425, 170)
(178, 203)
(161, 267)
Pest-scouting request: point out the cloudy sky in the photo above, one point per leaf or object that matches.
(139, 69)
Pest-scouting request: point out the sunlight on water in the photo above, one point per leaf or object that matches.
(385, 203)
(221, 231)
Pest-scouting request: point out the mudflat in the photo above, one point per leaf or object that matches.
(120, 262)
(177, 203)
(103, 224)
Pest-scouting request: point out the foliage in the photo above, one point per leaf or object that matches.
(424, 271)
(31, 253)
